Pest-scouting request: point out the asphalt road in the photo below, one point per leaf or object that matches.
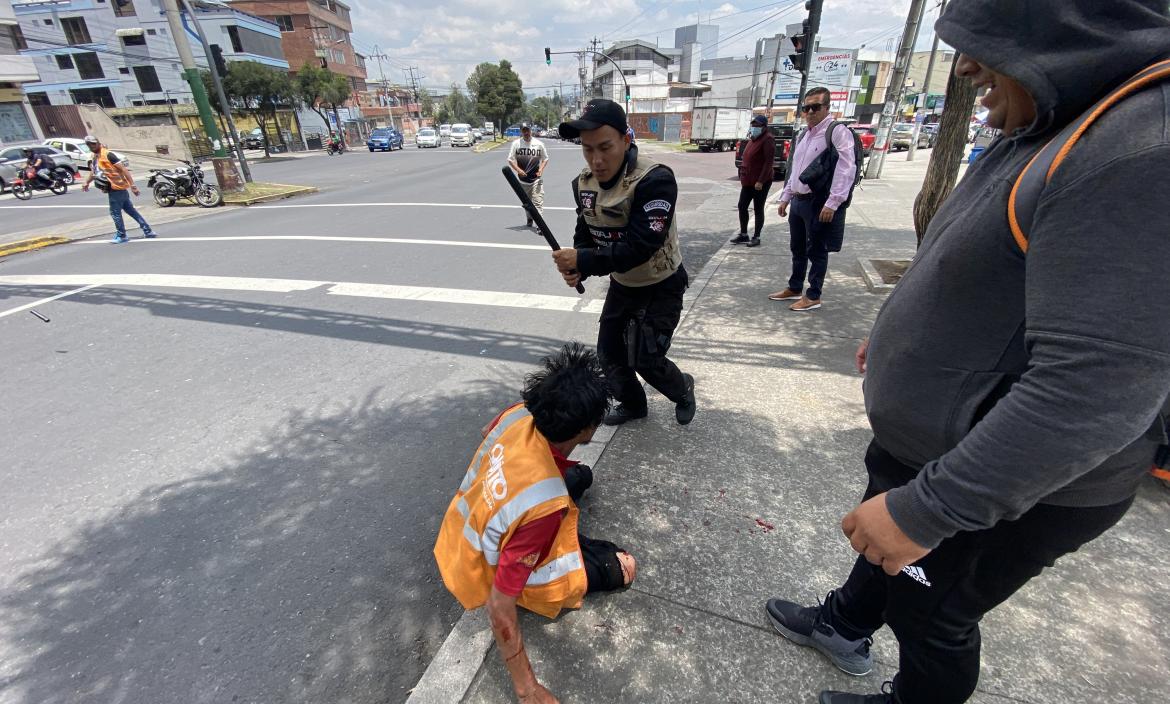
(227, 456)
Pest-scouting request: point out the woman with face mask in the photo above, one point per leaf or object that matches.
(755, 178)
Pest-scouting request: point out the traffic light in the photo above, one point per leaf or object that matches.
(217, 60)
(548, 56)
(801, 48)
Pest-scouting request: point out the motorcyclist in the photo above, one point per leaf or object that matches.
(40, 164)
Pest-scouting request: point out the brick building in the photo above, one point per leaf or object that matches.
(313, 31)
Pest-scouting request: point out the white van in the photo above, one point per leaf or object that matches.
(444, 131)
(461, 135)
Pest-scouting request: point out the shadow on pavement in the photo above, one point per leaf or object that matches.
(300, 571)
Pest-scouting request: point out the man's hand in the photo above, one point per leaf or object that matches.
(571, 278)
(540, 695)
(783, 212)
(134, 190)
(872, 532)
(85, 187)
(862, 351)
(566, 260)
(759, 186)
(827, 214)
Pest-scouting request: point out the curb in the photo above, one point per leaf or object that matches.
(489, 147)
(452, 671)
(31, 244)
(873, 280)
(296, 191)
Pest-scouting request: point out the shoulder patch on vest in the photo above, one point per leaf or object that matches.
(657, 204)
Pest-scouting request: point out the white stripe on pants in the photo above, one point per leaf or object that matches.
(535, 191)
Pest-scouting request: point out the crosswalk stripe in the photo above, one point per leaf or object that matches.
(327, 238)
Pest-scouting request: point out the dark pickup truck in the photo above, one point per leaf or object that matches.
(782, 134)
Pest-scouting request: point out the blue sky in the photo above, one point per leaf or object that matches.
(447, 38)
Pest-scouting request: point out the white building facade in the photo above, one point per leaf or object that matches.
(120, 53)
(17, 122)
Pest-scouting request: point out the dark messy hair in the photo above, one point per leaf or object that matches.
(568, 394)
(820, 90)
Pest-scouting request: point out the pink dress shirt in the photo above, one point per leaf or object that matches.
(810, 147)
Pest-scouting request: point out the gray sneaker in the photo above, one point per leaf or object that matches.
(803, 625)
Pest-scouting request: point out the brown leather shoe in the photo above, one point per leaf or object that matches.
(785, 295)
(805, 304)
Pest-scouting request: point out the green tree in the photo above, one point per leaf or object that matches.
(497, 91)
(317, 87)
(259, 90)
(458, 106)
(426, 102)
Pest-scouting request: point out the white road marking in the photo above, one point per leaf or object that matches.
(429, 294)
(43, 301)
(501, 299)
(407, 205)
(325, 238)
(21, 207)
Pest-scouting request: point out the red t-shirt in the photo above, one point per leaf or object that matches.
(531, 543)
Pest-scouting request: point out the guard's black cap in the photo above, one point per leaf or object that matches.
(598, 112)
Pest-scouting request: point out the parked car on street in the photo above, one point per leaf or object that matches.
(782, 135)
(12, 159)
(901, 135)
(868, 135)
(444, 132)
(931, 131)
(426, 137)
(79, 151)
(461, 135)
(254, 139)
(476, 134)
(385, 139)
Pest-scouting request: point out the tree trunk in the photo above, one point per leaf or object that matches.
(947, 154)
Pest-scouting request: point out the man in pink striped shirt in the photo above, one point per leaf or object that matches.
(818, 187)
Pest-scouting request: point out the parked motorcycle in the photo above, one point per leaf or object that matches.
(26, 182)
(169, 185)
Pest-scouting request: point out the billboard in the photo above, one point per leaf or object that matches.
(831, 68)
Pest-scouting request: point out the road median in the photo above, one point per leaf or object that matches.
(488, 146)
(27, 245)
(258, 192)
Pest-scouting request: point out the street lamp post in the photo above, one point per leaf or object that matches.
(617, 67)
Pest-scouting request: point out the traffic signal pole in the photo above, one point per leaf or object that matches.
(225, 171)
(223, 102)
(813, 26)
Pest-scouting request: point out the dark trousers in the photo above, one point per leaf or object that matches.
(810, 253)
(748, 195)
(935, 612)
(636, 327)
(120, 201)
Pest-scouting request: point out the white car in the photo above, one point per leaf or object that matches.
(426, 137)
(79, 151)
(476, 134)
(461, 136)
(444, 131)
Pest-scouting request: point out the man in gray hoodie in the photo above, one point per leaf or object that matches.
(1016, 398)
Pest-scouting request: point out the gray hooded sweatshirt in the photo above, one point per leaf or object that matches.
(1015, 379)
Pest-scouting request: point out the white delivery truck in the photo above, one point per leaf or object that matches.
(718, 129)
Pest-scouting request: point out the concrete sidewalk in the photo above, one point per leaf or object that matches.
(745, 504)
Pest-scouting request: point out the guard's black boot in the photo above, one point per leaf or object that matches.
(620, 414)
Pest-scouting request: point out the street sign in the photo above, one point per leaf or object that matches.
(787, 96)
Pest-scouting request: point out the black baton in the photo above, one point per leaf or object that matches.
(534, 213)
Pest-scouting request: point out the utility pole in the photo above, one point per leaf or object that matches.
(772, 81)
(378, 56)
(896, 88)
(225, 170)
(414, 86)
(926, 86)
(223, 101)
(755, 74)
(814, 27)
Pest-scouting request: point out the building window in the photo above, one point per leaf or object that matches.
(88, 66)
(38, 99)
(75, 30)
(234, 33)
(136, 40)
(64, 61)
(339, 56)
(124, 8)
(629, 72)
(704, 75)
(853, 95)
(151, 32)
(124, 71)
(18, 42)
(284, 22)
(48, 22)
(101, 96)
(147, 79)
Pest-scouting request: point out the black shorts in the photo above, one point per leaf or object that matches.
(603, 571)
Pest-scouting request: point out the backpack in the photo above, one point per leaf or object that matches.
(820, 175)
(1029, 186)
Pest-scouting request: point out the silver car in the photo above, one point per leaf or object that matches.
(902, 133)
(12, 159)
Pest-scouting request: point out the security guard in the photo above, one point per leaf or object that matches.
(510, 535)
(626, 228)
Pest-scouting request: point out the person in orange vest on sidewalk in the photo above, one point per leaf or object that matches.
(510, 535)
(119, 179)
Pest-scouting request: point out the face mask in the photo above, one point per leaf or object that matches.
(756, 132)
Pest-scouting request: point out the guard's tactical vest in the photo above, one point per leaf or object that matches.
(118, 182)
(512, 480)
(607, 213)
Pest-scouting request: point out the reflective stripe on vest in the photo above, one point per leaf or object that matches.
(492, 438)
(514, 510)
(556, 569)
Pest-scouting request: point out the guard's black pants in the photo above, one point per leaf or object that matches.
(935, 611)
(637, 324)
(748, 195)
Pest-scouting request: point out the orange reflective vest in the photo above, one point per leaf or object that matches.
(512, 480)
(118, 182)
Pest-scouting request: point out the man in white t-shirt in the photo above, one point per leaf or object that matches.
(528, 158)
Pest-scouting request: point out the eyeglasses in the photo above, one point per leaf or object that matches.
(812, 108)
